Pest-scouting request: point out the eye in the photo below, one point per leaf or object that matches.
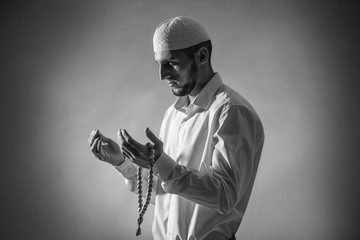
(175, 65)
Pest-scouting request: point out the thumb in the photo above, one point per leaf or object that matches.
(152, 137)
(119, 136)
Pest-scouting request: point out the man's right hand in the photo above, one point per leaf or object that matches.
(105, 148)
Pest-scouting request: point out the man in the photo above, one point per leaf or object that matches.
(209, 147)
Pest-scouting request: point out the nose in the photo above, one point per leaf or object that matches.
(164, 71)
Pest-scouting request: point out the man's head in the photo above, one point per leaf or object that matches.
(183, 49)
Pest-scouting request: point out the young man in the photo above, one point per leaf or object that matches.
(209, 147)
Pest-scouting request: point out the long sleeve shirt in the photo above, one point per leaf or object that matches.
(204, 178)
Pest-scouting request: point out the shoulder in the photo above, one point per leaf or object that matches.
(227, 99)
(233, 111)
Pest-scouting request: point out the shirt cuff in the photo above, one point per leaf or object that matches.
(163, 166)
(127, 169)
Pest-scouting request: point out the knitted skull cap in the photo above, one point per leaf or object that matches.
(178, 33)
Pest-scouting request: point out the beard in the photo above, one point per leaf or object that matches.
(188, 87)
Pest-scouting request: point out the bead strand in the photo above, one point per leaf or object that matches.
(139, 186)
(143, 207)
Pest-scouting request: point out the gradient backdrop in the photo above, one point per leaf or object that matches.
(69, 67)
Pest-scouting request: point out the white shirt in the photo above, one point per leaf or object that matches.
(204, 178)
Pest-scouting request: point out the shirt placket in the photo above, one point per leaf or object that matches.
(181, 144)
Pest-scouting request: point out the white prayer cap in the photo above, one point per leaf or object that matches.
(179, 33)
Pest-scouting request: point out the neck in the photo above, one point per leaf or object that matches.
(204, 78)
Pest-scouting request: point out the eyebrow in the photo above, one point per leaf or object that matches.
(173, 60)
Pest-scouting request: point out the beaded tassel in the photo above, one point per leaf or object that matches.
(143, 207)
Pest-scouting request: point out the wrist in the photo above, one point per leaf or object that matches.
(157, 155)
(117, 162)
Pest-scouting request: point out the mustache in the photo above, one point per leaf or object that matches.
(170, 77)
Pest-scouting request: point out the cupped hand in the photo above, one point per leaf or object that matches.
(138, 153)
(105, 148)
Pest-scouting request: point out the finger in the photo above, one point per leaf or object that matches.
(120, 137)
(98, 146)
(130, 140)
(152, 137)
(98, 149)
(125, 154)
(129, 149)
(124, 145)
(93, 145)
(93, 136)
(101, 154)
(128, 153)
(93, 148)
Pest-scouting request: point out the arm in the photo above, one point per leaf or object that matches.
(222, 185)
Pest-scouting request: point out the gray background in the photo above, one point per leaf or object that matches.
(69, 67)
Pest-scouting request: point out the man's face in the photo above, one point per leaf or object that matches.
(180, 72)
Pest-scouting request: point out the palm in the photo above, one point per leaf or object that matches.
(139, 153)
(142, 152)
(109, 147)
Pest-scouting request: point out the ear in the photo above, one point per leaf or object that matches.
(203, 55)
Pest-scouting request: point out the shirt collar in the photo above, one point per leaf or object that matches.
(203, 99)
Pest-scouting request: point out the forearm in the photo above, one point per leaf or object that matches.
(209, 189)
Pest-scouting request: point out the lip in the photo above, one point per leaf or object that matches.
(172, 83)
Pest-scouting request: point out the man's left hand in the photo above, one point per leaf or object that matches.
(137, 152)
